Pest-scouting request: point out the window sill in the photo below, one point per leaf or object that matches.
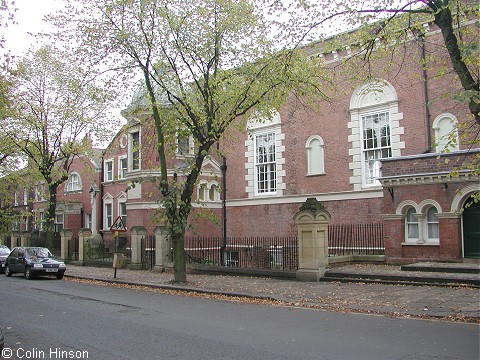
(258, 195)
(314, 175)
(73, 192)
(420, 244)
(185, 156)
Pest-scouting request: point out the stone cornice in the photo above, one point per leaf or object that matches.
(393, 217)
(427, 179)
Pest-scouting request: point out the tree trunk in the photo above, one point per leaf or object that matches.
(179, 268)
(50, 217)
(444, 20)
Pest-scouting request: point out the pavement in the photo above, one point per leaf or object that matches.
(449, 292)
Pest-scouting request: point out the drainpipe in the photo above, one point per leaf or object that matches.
(223, 168)
(100, 200)
(421, 38)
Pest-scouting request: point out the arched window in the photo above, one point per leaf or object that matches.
(446, 133)
(202, 189)
(208, 191)
(74, 182)
(375, 124)
(315, 156)
(432, 230)
(411, 225)
(212, 193)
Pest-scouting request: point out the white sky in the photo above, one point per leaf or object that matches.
(28, 17)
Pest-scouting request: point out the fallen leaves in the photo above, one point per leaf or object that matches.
(333, 301)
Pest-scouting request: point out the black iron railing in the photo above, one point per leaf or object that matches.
(356, 239)
(246, 252)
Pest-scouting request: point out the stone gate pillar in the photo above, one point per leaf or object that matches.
(137, 233)
(312, 225)
(162, 248)
(15, 239)
(65, 238)
(25, 238)
(84, 236)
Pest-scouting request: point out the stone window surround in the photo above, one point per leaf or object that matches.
(436, 126)
(207, 185)
(256, 128)
(309, 154)
(382, 97)
(421, 215)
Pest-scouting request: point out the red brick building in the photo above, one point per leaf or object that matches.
(376, 153)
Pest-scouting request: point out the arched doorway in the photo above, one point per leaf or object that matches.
(471, 229)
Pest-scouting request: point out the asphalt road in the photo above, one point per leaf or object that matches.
(59, 319)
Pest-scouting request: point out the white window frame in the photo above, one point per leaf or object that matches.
(213, 193)
(122, 201)
(59, 216)
(25, 196)
(319, 167)
(256, 125)
(39, 192)
(38, 220)
(270, 178)
(372, 156)
(27, 222)
(108, 174)
(133, 149)
(429, 224)
(107, 219)
(15, 198)
(88, 220)
(202, 191)
(446, 139)
(190, 144)
(16, 223)
(122, 171)
(72, 185)
(411, 223)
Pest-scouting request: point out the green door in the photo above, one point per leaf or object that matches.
(471, 230)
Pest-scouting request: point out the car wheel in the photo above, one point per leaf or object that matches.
(59, 276)
(8, 272)
(29, 273)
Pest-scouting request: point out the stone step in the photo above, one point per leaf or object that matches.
(426, 279)
(453, 268)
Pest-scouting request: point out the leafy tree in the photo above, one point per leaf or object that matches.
(205, 65)
(6, 160)
(54, 104)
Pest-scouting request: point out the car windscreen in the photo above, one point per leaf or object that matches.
(4, 251)
(38, 253)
